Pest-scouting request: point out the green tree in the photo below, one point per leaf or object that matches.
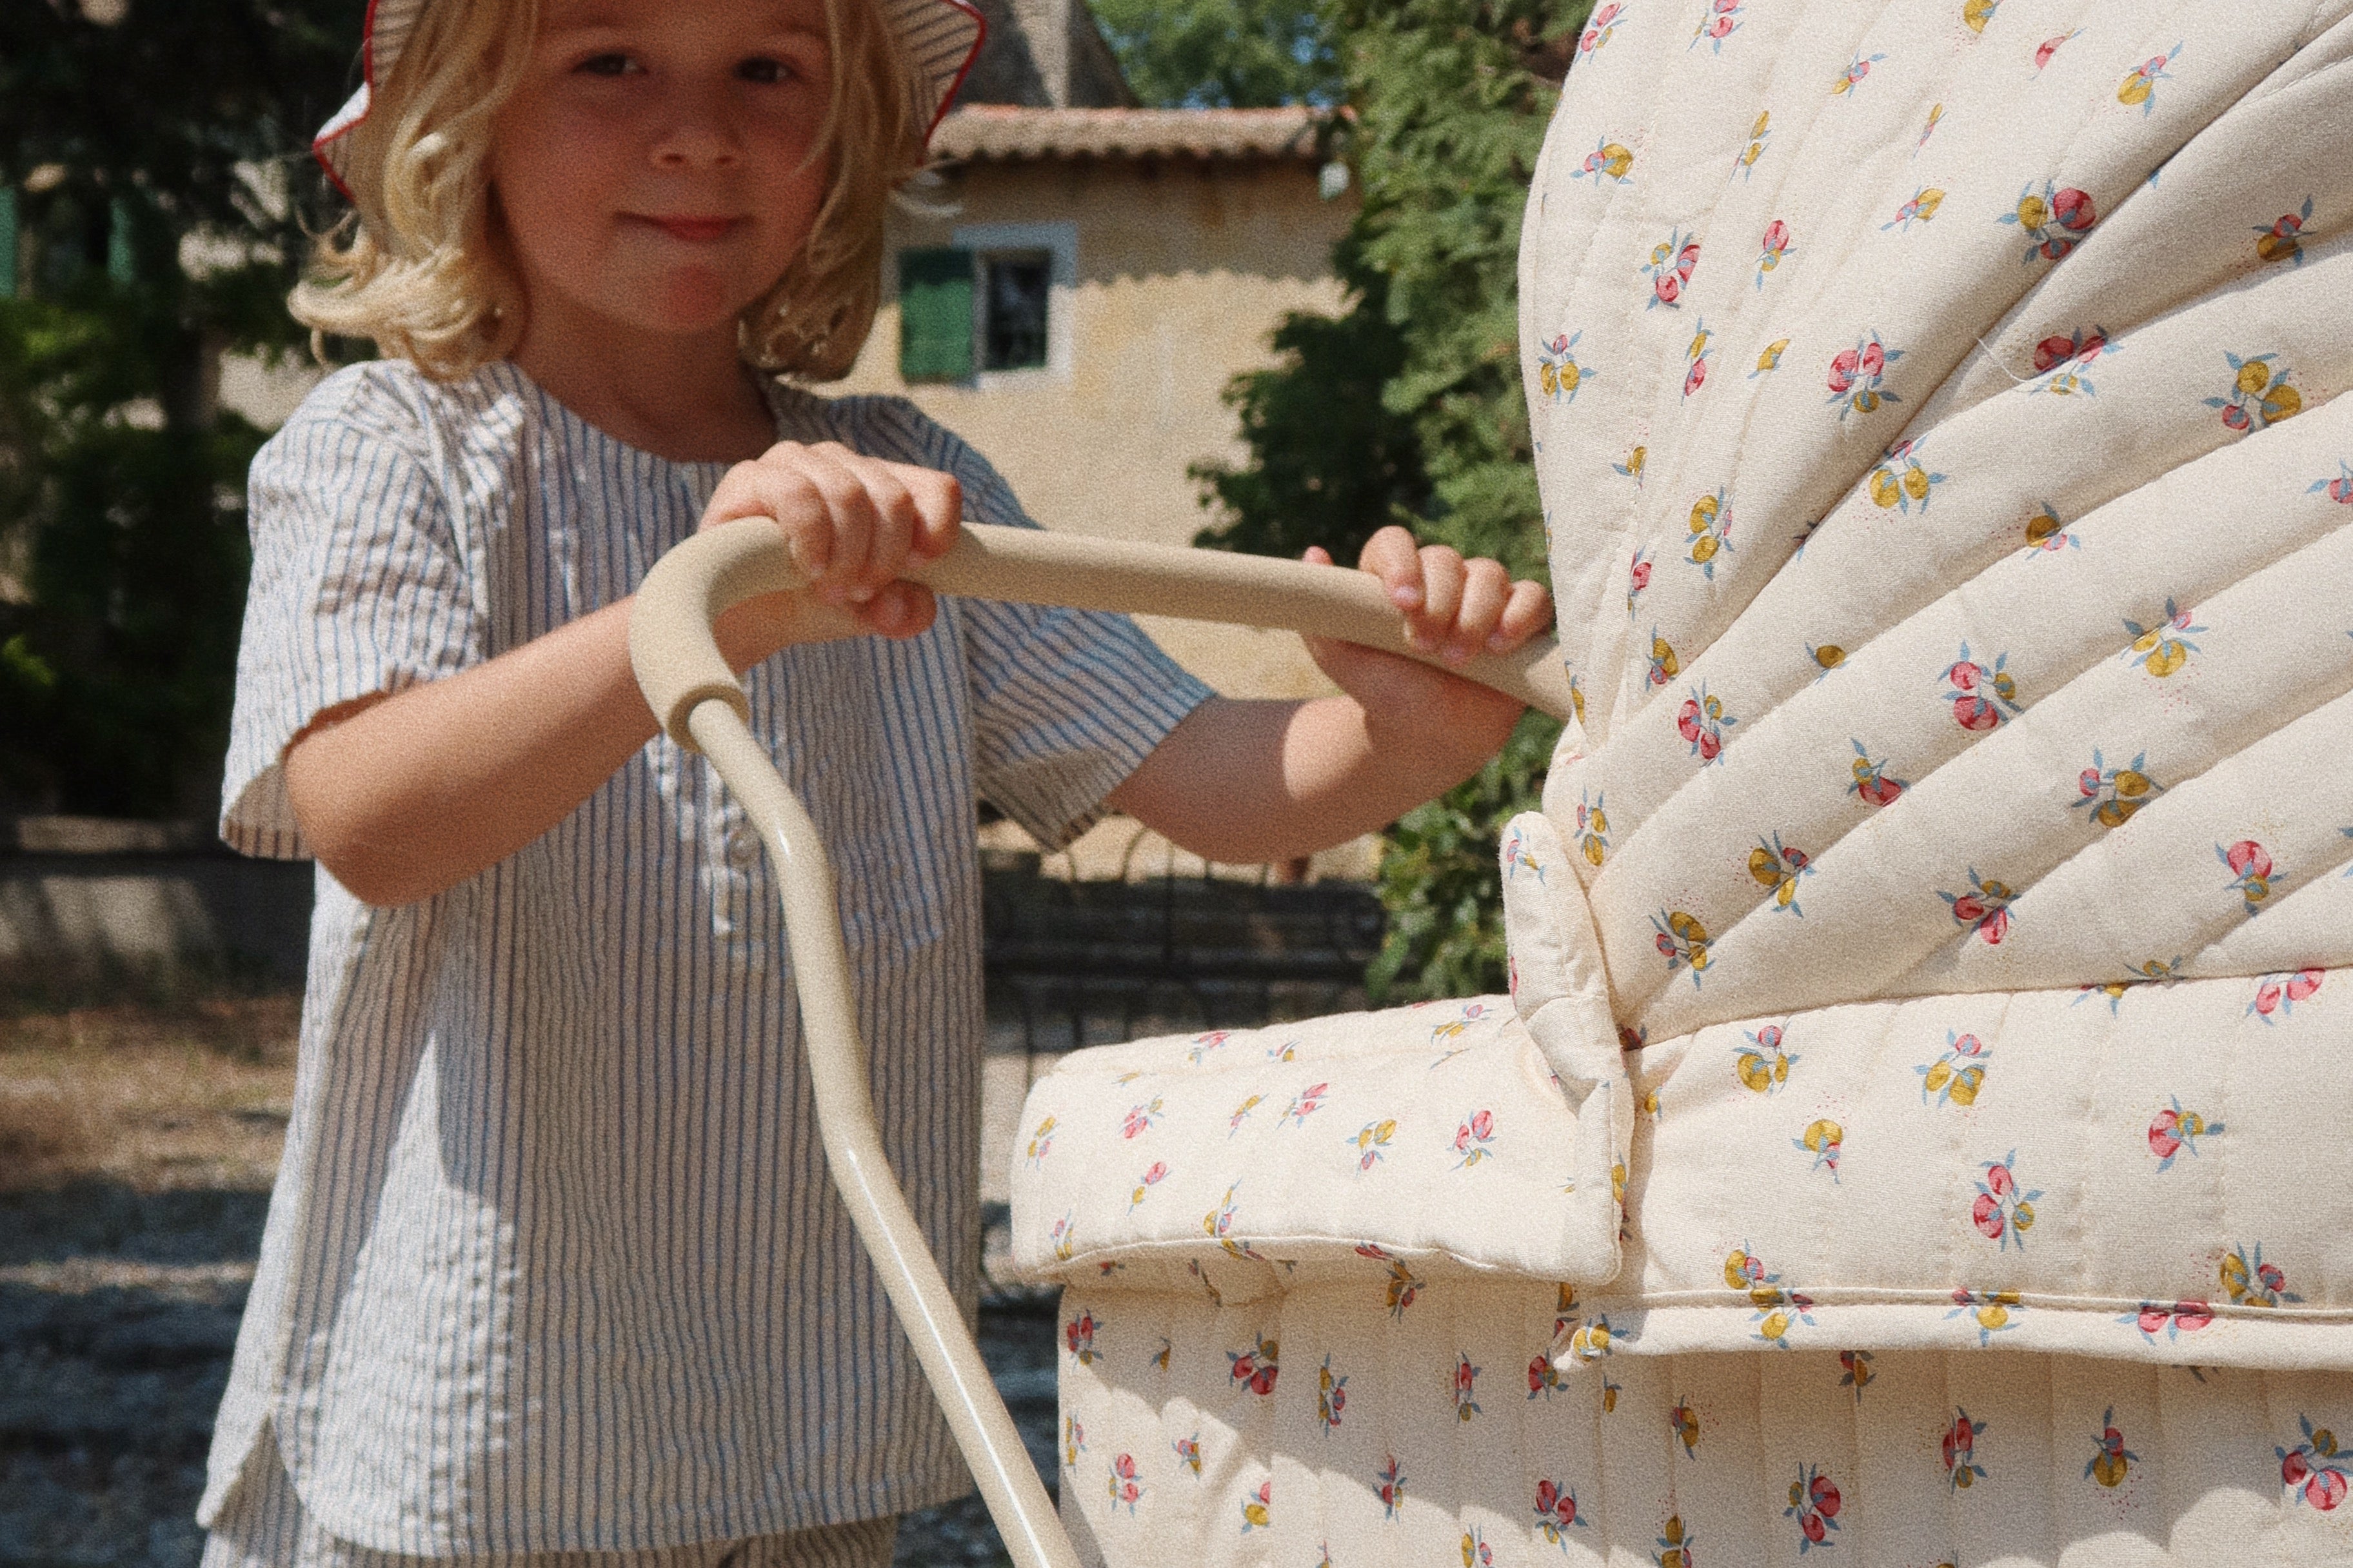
(154, 182)
(1420, 375)
(1222, 53)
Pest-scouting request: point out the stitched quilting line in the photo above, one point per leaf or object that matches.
(2330, 536)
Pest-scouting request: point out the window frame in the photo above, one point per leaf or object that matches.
(1060, 243)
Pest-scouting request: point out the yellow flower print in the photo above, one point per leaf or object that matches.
(1761, 1063)
(1976, 14)
(1683, 1422)
(1770, 360)
(1823, 1140)
(2283, 240)
(1041, 1142)
(1711, 532)
(2261, 393)
(1901, 482)
(1674, 1545)
(1632, 467)
(1919, 207)
(2163, 647)
(1664, 665)
(2139, 85)
(1991, 1310)
(1682, 940)
(1758, 135)
(1558, 371)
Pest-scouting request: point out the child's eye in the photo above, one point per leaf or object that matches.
(763, 69)
(611, 63)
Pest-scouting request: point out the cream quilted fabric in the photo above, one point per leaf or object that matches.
(1949, 496)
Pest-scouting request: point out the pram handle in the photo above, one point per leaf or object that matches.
(701, 706)
(736, 561)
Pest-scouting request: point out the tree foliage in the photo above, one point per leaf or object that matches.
(1408, 406)
(154, 162)
(1222, 53)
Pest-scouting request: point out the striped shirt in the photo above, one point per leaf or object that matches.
(552, 1262)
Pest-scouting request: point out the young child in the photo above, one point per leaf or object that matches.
(553, 1265)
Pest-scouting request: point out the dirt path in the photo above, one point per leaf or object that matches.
(137, 1143)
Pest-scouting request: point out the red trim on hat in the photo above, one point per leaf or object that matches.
(947, 99)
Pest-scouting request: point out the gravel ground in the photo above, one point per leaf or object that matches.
(136, 1147)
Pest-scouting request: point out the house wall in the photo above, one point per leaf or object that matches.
(1182, 269)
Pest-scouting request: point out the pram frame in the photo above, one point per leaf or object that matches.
(701, 706)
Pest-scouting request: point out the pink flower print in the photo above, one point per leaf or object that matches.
(1151, 1177)
(2277, 994)
(2113, 795)
(1711, 532)
(1638, 577)
(1902, 482)
(1778, 1310)
(1258, 1507)
(1858, 1373)
(1776, 245)
(1079, 1335)
(1558, 371)
(1543, 1377)
(1518, 857)
(1474, 1140)
(1683, 1422)
(1918, 207)
(1331, 1397)
(1218, 1225)
(1556, 1511)
(1287, 1051)
(1255, 1368)
(1984, 909)
(1672, 261)
(1304, 1104)
(1389, 1485)
(1778, 867)
(1858, 375)
(1762, 1064)
(1823, 1139)
(1960, 1444)
(1242, 1113)
(2054, 220)
(1063, 1238)
(1853, 77)
(2164, 648)
(1956, 1076)
(1204, 1043)
(1075, 1441)
(1983, 695)
(1702, 721)
(1814, 1503)
(2249, 1281)
(1189, 1452)
(1991, 1310)
(2139, 85)
(1141, 1119)
(1719, 22)
(1608, 160)
(1476, 1552)
(2064, 364)
(1695, 359)
(1372, 1140)
(2002, 1212)
(2314, 1470)
(2173, 1132)
(2338, 490)
(2260, 395)
(1041, 1142)
(1935, 118)
(1466, 1386)
(1873, 782)
(2283, 240)
(1126, 1486)
(1402, 1287)
(2050, 47)
(1600, 27)
(2249, 864)
(1664, 666)
(2176, 1319)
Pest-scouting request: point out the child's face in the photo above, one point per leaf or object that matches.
(653, 164)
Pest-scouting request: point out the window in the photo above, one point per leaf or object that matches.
(1013, 299)
(995, 303)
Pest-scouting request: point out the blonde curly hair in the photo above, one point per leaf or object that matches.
(423, 268)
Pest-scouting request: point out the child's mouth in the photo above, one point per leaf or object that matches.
(695, 230)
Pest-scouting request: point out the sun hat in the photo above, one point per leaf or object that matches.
(940, 38)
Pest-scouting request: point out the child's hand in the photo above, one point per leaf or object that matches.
(1451, 607)
(852, 522)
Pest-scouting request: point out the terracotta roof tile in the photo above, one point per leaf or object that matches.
(1008, 133)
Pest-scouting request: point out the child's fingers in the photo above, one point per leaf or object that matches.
(849, 516)
(938, 502)
(1527, 612)
(1485, 591)
(894, 523)
(899, 609)
(1389, 554)
(788, 497)
(1442, 580)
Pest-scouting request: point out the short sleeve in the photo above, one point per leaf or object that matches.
(1066, 703)
(359, 587)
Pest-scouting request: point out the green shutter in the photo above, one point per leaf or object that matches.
(121, 260)
(7, 242)
(936, 315)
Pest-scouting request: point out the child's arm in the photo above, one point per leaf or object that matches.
(402, 796)
(1243, 781)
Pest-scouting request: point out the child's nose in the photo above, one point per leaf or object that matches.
(699, 133)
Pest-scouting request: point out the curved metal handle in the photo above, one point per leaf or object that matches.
(679, 663)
